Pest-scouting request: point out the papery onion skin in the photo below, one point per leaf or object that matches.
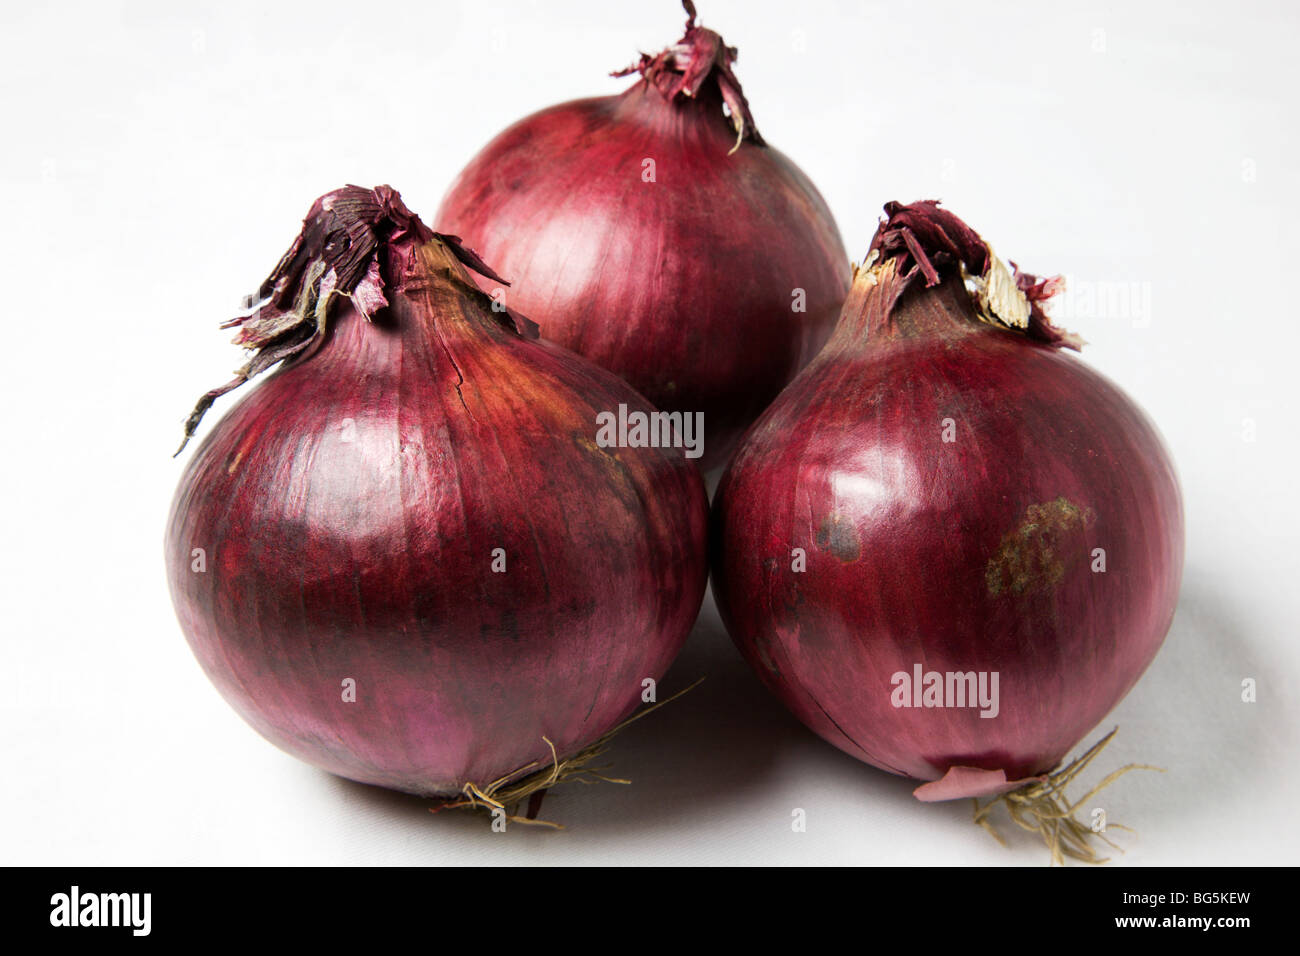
(348, 509)
(684, 286)
(970, 555)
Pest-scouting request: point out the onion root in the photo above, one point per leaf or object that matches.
(504, 794)
(1042, 807)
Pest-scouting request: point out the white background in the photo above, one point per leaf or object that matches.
(157, 160)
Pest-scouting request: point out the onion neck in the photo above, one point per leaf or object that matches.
(697, 119)
(929, 274)
(696, 73)
(885, 306)
(435, 274)
(361, 246)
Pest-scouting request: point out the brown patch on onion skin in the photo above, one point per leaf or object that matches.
(840, 538)
(1033, 558)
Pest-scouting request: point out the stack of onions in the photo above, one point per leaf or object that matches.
(949, 547)
(403, 558)
(662, 238)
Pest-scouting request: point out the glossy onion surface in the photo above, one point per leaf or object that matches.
(957, 490)
(420, 508)
(632, 234)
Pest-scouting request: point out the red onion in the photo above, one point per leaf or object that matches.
(413, 512)
(970, 500)
(662, 239)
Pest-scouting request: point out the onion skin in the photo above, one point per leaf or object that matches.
(684, 286)
(348, 508)
(969, 555)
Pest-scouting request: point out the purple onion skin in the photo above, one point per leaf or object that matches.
(684, 286)
(349, 507)
(971, 555)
